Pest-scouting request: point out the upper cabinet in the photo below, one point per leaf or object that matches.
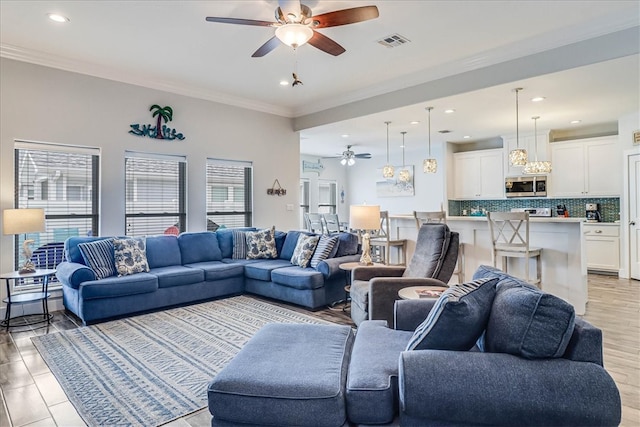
(586, 168)
(528, 142)
(479, 174)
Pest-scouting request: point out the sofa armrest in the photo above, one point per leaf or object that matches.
(368, 273)
(460, 388)
(331, 266)
(72, 274)
(383, 293)
(410, 313)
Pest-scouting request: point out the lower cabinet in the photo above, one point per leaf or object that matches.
(602, 246)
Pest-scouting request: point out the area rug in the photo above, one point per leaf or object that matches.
(151, 369)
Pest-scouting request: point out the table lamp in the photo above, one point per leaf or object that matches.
(18, 221)
(365, 218)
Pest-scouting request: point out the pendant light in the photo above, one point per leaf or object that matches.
(403, 175)
(388, 171)
(536, 167)
(429, 165)
(517, 157)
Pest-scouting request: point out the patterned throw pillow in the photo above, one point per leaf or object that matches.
(457, 319)
(326, 244)
(98, 256)
(239, 244)
(304, 250)
(261, 244)
(130, 256)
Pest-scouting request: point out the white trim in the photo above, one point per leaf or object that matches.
(155, 156)
(213, 161)
(21, 144)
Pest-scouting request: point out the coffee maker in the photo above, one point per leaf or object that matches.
(593, 212)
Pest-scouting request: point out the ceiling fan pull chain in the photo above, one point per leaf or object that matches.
(296, 80)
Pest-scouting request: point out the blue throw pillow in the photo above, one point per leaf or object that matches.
(529, 323)
(457, 319)
(262, 244)
(130, 256)
(347, 244)
(325, 247)
(98, 256)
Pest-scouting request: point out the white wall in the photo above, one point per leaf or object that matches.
(49, 105)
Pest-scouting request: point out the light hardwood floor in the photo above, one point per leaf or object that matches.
(32, 397)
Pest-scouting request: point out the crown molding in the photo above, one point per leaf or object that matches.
(82, 67)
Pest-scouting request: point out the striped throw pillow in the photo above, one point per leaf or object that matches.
(239, 244)
(98, 256)
(457, 319)
(324, 249)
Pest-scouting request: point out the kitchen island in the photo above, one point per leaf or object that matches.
(564, 268)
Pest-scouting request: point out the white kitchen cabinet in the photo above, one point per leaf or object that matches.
(602, 246)
(527, 142)
(586, 168)
(478, 175)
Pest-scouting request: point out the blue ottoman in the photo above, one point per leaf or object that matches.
(286, 375)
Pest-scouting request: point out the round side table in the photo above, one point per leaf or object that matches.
(27, 297)
(421, 292)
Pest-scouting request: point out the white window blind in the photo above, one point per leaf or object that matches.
(63, 180)
(229, 194)
(155, 194)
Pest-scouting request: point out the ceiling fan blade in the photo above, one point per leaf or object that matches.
(290, 7)
(325, 44)
(345, 16)
(363, 155)
(271, 44)
(240, 21)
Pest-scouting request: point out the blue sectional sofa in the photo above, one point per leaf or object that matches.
(195, 267)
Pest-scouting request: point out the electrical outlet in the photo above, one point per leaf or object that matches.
(289, 207)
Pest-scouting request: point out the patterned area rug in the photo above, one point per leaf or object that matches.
(151, 369)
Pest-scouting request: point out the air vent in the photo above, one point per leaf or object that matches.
(444, 131)
(394, 40)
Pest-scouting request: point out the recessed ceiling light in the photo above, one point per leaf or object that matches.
(575, 122)
(466, 136)
(415, 122)
(538, 99)
(449, 111)
(345, 135)
(57, 18)
(284, 83)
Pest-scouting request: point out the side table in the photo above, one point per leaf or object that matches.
(414, 292)
(27, 297)
(347, 267)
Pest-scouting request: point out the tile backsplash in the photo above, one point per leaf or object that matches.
(609, 207)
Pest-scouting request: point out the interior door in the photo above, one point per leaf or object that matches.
(634, 215)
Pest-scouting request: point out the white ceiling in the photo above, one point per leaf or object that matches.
(168, 45)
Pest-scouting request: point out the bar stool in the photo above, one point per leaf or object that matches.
(508, 240)
(383, 242)
(440, 217)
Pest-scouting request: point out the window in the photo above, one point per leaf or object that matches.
(229, 194)
(63, 180)
(327, 196)
(304, 201)
(155, 201)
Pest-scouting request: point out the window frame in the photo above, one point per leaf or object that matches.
(247, 190)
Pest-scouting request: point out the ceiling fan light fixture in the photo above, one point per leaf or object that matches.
(293, 34)
(343, 161)
(351, 161)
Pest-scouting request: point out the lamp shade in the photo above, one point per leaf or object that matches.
(19, 221)
(364, 217)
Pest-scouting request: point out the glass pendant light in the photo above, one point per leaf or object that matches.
(388, 171)
(403, 175)
(536, 167)
(429, 165)
(517, 157)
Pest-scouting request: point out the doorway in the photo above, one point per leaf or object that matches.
(634, 215)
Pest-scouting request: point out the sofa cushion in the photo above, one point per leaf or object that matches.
(177, 275)
(114, 286)
(290, 243)
(262, 270)
(326, 246)
(239, 244)
(372, 380)
(130, 256)
(298, 278)
(98, 255)
(262, 244)
(347, 245)
(457, 319)
(304, 250)
(163, 251)
(527, 322)
(218, 270)
(431, 250)
(225, 239)
(199, 247)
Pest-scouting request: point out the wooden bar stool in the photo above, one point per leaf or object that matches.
(383, 242)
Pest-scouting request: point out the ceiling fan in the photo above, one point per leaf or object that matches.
(296, 26)
(348, 157)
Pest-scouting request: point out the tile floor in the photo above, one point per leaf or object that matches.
(31, 396)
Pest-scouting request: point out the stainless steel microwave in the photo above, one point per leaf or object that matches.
(525, 186)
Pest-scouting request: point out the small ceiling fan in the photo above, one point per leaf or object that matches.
(348, 157)
(296, 26)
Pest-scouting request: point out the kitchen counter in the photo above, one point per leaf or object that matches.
(564, 267)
